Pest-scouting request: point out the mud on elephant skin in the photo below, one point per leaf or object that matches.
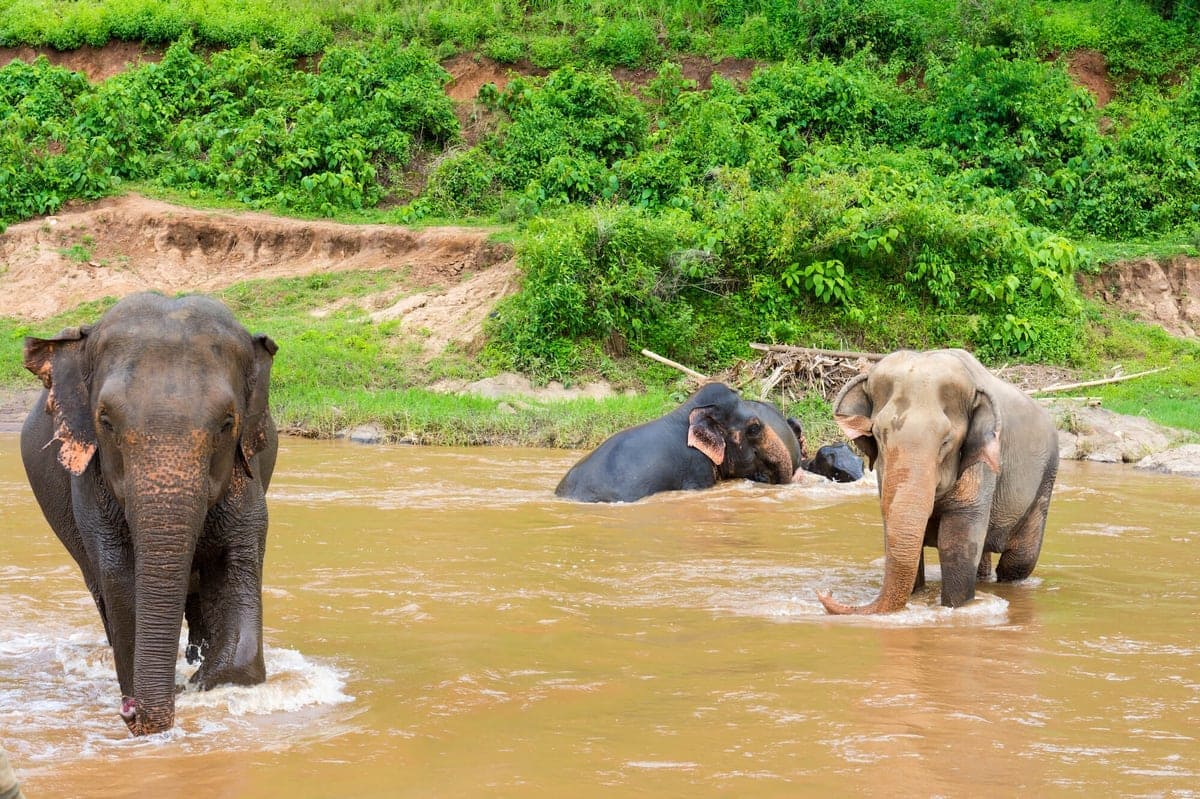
(966, 462)
(715, 435)
(150, 451)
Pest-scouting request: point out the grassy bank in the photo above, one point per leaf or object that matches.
(338, 371)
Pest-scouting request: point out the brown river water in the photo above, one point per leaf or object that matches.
(438, 624)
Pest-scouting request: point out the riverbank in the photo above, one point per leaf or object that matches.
(381, 335)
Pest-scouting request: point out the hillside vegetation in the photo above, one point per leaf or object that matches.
(899, 173)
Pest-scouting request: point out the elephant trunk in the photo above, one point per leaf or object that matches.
(166, 514)
(907, 501)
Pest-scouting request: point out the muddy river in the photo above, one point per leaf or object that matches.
(438, 624)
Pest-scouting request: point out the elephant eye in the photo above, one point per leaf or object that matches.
(228, 425)
(105, 422)
(754, 430)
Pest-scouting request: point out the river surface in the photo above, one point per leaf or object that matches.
(438, 624)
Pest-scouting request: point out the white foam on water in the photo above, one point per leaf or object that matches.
(59, 695)
(667, 765)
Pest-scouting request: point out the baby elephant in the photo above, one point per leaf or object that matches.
(716, 435)
(837, 462)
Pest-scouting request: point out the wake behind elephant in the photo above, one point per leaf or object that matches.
(715, 435)
(966, 462)
(150, 451)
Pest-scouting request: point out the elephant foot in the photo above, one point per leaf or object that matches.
(249, 674)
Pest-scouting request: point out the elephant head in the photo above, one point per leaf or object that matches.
(922, 420)
(159, 411)
(743, 438)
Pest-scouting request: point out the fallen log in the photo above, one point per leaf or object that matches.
(692, 373)
(1100, 382)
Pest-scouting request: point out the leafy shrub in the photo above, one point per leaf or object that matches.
(551, 52)
(807, 100)
(463, 184)
(712, 130)
(565, 131)
(505, 48)
(623, 42)
(601, 277)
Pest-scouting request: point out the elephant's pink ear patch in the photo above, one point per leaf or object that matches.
(854, 426)
(704, 435)
(74, 455)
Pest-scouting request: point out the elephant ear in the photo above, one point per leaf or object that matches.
(258, 384)
(852, 409)
(706, 434)
(982, 442)
(61, 364)
(798, 430)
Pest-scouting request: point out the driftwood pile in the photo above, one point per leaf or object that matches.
(793, 372)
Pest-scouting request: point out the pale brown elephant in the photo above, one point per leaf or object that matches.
(966, 462)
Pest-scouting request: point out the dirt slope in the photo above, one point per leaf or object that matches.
(125, 244)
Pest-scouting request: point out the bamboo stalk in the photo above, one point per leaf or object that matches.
(654, 356)
(1101, 382)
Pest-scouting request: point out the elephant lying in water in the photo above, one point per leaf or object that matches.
(836, 462)
(966, 462)
(149, 452)
(715, 435)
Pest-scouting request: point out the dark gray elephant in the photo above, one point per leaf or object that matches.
(715, 435)
(966, 462)
(149, 452)
(836, 462)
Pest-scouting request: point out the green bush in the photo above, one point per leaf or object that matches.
(595, 279)
(565, 131)
(624, 42)
(463, 184)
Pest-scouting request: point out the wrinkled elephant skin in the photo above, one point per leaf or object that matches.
(714, 436)
(149, 452)
(966, 462)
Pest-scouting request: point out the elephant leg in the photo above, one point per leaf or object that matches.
(985, 567)
(230, 602)
(931, 537)
(1025, 542)
(962, 533)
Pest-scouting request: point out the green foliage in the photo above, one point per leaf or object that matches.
(597, 279)
(462, 184)
(565, 133)
(623, 42)
(245, 125)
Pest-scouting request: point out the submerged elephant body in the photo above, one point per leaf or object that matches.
(715, 435)
(836, 462)
(966, 462)
(149, 452)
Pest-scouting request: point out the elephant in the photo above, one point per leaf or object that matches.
(150, 450)
(715, 435)
(837, 462)
(966, 462)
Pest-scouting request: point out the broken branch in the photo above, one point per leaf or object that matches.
(1101, 382)
(654, 356)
